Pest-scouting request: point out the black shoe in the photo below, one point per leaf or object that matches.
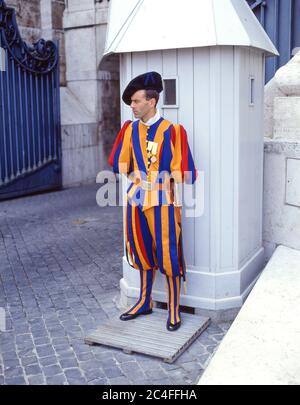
(172, 327)
(127, 317)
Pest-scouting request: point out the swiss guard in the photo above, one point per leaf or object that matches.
(154, 154)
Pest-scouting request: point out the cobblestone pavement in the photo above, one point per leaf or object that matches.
(60, 266)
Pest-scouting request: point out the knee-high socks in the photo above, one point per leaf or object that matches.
(145, 303)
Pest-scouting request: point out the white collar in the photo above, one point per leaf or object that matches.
(153, 119)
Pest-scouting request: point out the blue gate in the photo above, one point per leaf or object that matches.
(30, 141)
(281, 21)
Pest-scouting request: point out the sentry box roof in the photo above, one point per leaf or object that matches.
(145, 25)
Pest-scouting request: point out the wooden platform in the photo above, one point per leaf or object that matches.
(148, 334)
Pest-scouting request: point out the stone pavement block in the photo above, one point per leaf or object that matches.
(21, 327)
(8, 347)
(93, 374)
(132, 369)
(26, 337)
(163, 381)
(203, 359)
(214, 329)
(59, 379)
(26, 352)
(99, 381)
(19, 380)
(60, 341)
(169, 366)
(67, 354)
(12, 354)
(45, 350)
(68, 363)
(27, 361)
(111, 372)
(25, 346)
(148, 363)
(224, 326)
(77, 381)
(73, 373)
(62, 348)
(85, 356)
(192, 367)
(50, 371)
(36, 380)
(108, 362)
(121, 380)
(156, 374)
(10, 363)
(39, 332)
(212, 348)
(44, 340)
(197, 348)
(48, 361)
(206, 339)
(10, 372)
(33, 369)
(92, 364)
(218, 337)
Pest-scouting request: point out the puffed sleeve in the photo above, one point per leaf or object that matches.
(120, 157)
(182, 164)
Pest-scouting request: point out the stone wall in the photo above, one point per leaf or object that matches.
(28, 13)
(282, 159)
(42, 19)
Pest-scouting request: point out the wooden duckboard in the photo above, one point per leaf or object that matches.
(147, 334)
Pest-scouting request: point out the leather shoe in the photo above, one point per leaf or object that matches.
(172, 327)
(127, 317)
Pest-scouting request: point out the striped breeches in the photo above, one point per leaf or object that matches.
(152, 238)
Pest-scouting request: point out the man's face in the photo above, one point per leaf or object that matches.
(139, 105)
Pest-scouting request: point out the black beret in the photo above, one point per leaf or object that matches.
(146, 81)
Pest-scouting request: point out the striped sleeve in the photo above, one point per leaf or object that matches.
(182, 164)
(121, 153)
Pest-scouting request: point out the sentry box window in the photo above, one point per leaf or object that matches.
(251, 91)
(170, 93)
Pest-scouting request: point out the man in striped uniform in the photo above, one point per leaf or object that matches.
(155, 155)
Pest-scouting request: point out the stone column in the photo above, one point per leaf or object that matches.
(91, 99)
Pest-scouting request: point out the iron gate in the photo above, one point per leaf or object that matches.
(30, 141)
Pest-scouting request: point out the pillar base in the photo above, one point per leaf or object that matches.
(216, 295)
